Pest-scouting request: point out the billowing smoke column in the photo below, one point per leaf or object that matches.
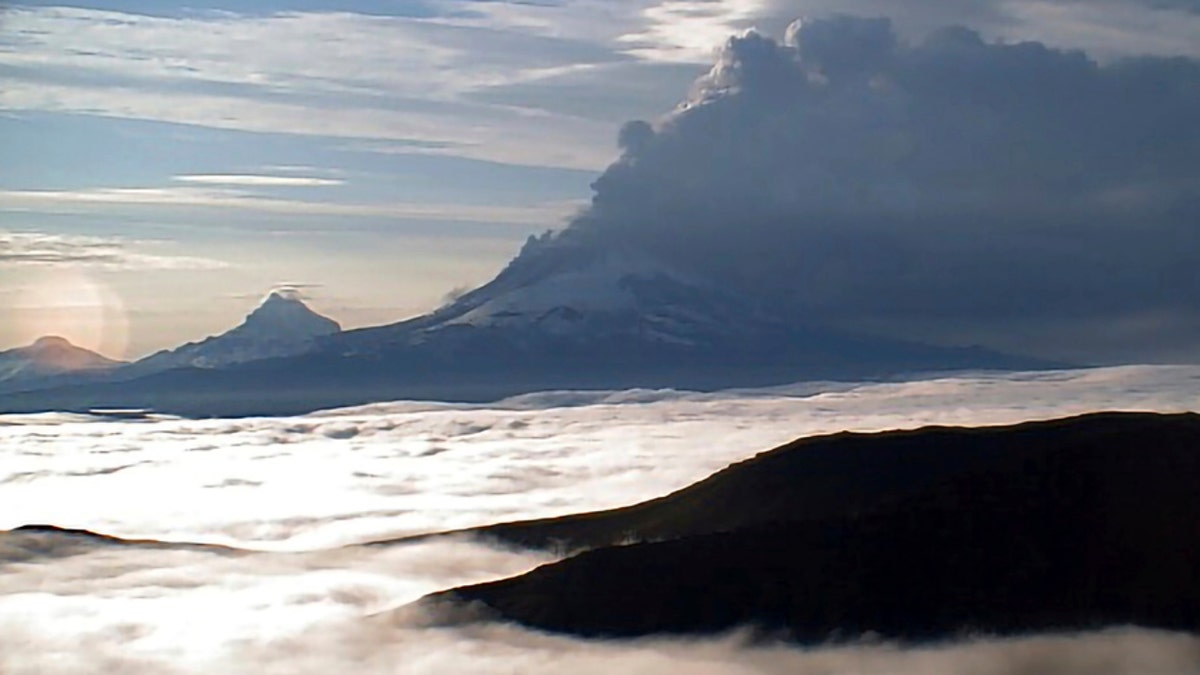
(954, 190)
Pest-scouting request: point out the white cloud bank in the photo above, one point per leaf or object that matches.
(308, 484)
(392, 469)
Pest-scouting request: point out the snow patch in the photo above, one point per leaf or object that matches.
(563, 299)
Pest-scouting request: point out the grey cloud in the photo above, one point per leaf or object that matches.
(33, 247)
(39, 248)
(611, 92)
(1190, 6)
(295, 290)
(1006, 18)
(290, 289)
(906, 188)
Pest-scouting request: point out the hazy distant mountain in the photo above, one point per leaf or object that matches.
(47, 357)
(1069, 524)
(282, 325)
(559, 316)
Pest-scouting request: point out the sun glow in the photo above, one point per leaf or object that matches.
(72, 304)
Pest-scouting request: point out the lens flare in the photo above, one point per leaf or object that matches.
(71, 304)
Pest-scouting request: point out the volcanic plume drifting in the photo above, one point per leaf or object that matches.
(951, 191)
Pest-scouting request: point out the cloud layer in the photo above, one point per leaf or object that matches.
(407, 468)
(952, 188)
(258, 180)
(189, 199)
(459, 77)
(113, 253)
(391, 78)
(293, 489)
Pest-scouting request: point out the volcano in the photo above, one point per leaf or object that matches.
(47, 357)
(561, 315)
(282, 325)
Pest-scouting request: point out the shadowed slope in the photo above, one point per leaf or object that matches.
(840, 473)
(1075, 523)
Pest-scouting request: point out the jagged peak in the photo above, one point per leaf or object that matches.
(282, 298)
(287, 306)
(281, 324)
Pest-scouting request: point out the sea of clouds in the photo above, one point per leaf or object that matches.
(292, 495)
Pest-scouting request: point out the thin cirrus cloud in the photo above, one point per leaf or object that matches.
(543, 214)
(427, 77)
(292, 290)
(45, 249)
(378, 77)
(254, 180)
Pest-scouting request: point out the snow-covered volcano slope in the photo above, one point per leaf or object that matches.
(282, 325)
(557, 292)
(579, 308)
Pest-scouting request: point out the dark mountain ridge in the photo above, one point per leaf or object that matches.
(38, 542)
(1066, 524)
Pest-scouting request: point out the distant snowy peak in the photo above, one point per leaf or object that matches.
(50, 355)
(285, 317)
(282, 325)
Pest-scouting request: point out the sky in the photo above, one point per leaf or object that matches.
(166, 164)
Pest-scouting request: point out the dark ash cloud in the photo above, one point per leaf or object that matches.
(954, 190)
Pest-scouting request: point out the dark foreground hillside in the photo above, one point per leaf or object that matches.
(36, 543)
(1075, 523)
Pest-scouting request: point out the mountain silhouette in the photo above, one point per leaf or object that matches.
(916, 535)
(37, 543)
(559, 316)
(49, 356)
(282, 325)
